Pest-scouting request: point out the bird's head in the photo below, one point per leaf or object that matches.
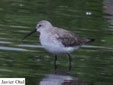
(41, 26)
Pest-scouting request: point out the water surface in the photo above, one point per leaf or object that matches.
(88, 18)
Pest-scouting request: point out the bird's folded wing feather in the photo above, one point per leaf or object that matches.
(69, 39)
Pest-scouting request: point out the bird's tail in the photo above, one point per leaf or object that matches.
(85, 41)
(90, 40)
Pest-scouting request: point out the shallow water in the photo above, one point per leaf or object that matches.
(88, 18)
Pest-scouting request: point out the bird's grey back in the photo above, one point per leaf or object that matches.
(69, 38)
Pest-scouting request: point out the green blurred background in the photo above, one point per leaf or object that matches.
(88, 18)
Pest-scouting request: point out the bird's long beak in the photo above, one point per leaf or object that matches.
(29, 34)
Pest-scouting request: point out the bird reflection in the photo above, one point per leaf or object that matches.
(62, 78)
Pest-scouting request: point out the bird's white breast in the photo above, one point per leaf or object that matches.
(52, 45)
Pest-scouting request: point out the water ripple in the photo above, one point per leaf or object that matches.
(12, 48)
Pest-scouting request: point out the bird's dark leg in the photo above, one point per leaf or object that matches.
(55, 60)
(70, 62)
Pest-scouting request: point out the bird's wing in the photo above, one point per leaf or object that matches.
(69, 39)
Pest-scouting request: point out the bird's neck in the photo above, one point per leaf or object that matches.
(45, 30)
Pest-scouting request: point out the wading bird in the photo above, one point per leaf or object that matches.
(58, 41)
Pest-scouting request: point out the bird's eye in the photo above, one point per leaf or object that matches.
(39, 25)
